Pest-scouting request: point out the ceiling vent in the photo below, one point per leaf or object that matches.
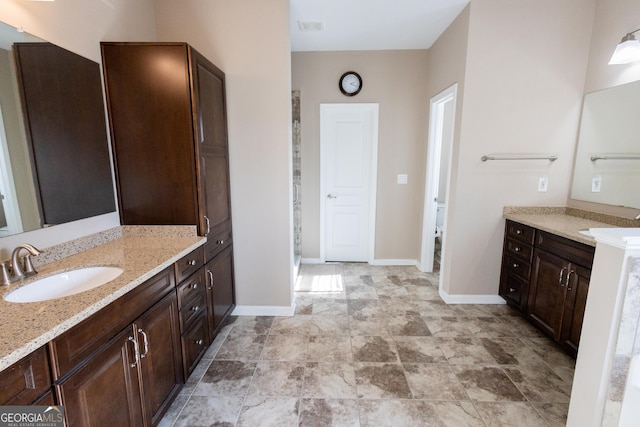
(311, 25)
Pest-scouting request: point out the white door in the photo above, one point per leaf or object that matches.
(441, 114)
(348, 158)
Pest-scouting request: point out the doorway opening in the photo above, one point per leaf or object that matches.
(348, 174)
(441, 128)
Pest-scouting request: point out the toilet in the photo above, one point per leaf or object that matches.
(440, 222)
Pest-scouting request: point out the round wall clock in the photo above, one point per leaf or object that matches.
(350, 83)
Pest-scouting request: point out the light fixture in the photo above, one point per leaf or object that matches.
(627, 51)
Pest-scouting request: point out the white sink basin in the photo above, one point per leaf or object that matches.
(585, 232)
(64, 284)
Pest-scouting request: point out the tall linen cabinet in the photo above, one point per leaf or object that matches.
(167, 114)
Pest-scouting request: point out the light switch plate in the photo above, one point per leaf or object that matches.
(403, 178)
(596, 184)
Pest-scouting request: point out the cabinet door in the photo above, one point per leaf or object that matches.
(220, 289)
(574, 305)
(546, 293)
(105, 390)
(24, 381)
(160, 357)
(211, 138)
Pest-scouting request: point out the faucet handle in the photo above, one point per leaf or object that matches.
(5, 277)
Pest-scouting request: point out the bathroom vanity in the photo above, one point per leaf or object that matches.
(546, 267)
(117, 354)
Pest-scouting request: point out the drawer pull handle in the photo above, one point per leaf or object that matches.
(192, 262)
(517, 249)
(195, 308)
(210, 279)
(512, 289)
(220, 242)
(206, 218)
(516, 265)
(136, 351)
(146, 343)
(518, 231)
(561, 276)
(199, 342)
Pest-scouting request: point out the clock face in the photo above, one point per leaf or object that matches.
(350, 83)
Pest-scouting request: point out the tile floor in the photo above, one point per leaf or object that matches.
(376, 346)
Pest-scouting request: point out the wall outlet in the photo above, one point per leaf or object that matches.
(596, 184)
(403, 178)
(543, 183)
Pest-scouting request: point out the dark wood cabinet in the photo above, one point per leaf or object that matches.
(105, 390)
(220, 290)
(546, 277)
(129, 377)
(27, 381)
(167, 112)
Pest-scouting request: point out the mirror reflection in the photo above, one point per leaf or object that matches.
(607, 168)
(54, 158)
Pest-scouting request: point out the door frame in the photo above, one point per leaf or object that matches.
(432, 175)
(373, 178)
(8, 188)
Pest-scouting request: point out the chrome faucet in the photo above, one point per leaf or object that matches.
(20, 267)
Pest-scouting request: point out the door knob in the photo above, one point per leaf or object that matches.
(331, 196)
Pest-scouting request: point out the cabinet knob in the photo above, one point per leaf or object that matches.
(192, 262)
(194, 286)
(220, 242)
(512, 289)
(516, 265)
(517, 249)
(199, 342)
(518, 231)
(195, 308)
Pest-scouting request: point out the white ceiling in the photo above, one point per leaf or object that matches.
(371, 24)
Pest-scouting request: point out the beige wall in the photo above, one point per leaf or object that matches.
(396, 80)
(249, 41)
(613, 19)
(79, 26)
(525, 73)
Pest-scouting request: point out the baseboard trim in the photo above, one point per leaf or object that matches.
(471, 299)
(264, 310)
(392, 262)
(311, 261)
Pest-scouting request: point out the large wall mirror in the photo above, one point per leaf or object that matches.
(54, 154)
(607, 168)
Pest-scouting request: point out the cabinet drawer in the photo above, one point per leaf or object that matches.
(194, 344)
(25, 380)
(79, 342)
(189, 264)
(570, 250)
(521, 232)
(514, 289)
(190, 288)
(518, 249)
(517, 267)
(192, 310)
(217, 242)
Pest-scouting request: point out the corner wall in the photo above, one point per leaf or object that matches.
(524, 80)
(249, 41)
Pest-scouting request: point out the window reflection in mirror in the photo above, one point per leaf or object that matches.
(54, 160)
(607, 168)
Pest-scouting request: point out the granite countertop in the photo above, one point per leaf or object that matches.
(28, 326)
(563, 222)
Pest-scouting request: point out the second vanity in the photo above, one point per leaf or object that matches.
(117, 354)
(546, 267)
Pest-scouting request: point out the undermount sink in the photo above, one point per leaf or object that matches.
(64, 284)
(586, 232)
